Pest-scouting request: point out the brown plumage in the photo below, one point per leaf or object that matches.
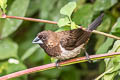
(73, 38)
(66, 44)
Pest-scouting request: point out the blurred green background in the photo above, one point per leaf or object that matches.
(17, 51)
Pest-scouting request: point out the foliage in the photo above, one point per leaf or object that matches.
(11, 25)
(67, 11)
(17, 35)
(9, 48)
(113, 63)
(3, 6)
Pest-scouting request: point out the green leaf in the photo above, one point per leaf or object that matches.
(47, 59)
(8, 49)
(51, 27)
(27, 37)
(113, 63)
(3, 66)
(63, 22)
(65, 28)
(38, 56)
(115, 68)
(84, 15)
(53, 60)
(71, 73)
(1, 13)
(29, 52)
(1, 25)
(45, 10)
(14, 68)
(18, 8)
(68, 9)
(3, 5)
(109, 62)
(116, 28)
(106, 24)
(98, 78)
(105, 46)
(7, 67)
(32, 10)
(53, 73)
(10, 66)
(100, 40)
(100, 5)
(73, 26)
(116, 46)
(110, 76)
(104, 27)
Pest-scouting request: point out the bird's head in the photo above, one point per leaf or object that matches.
(46, 38)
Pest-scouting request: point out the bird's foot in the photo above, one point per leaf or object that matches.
(88, 57)
(57, 64)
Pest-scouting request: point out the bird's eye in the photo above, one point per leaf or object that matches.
(43, 38)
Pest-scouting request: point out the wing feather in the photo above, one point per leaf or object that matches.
(73, 38)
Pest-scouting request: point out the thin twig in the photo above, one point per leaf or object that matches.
(53, 65)
(98, 78)
(32, 19)
(105, 34)
(53, 22)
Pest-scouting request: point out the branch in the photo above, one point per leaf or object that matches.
(53, 22)
(105, 34)
(53, 65)
(32, 19)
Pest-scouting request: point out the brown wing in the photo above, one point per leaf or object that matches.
(73, 38)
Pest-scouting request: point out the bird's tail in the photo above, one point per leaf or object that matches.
(95, 23)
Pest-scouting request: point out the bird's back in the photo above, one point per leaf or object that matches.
(73, 38)
(76, 37)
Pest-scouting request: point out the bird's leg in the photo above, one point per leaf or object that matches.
(57, 63)
(87, 56)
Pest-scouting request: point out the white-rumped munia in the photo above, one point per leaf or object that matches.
(66, 44)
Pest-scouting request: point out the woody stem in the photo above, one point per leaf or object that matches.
(53, 65)
(53, 22)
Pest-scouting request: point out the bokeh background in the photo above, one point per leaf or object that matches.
(17, 51)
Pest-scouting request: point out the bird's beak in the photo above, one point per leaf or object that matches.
(37, 41)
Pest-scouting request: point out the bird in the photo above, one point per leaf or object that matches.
(65, 45)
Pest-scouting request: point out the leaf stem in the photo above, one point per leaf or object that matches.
(53, 65)
(53, 22)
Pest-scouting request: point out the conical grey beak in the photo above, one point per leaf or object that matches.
(37, 41)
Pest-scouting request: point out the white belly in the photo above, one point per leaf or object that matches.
(67, 54)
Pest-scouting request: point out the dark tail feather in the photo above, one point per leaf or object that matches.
(95, 23)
